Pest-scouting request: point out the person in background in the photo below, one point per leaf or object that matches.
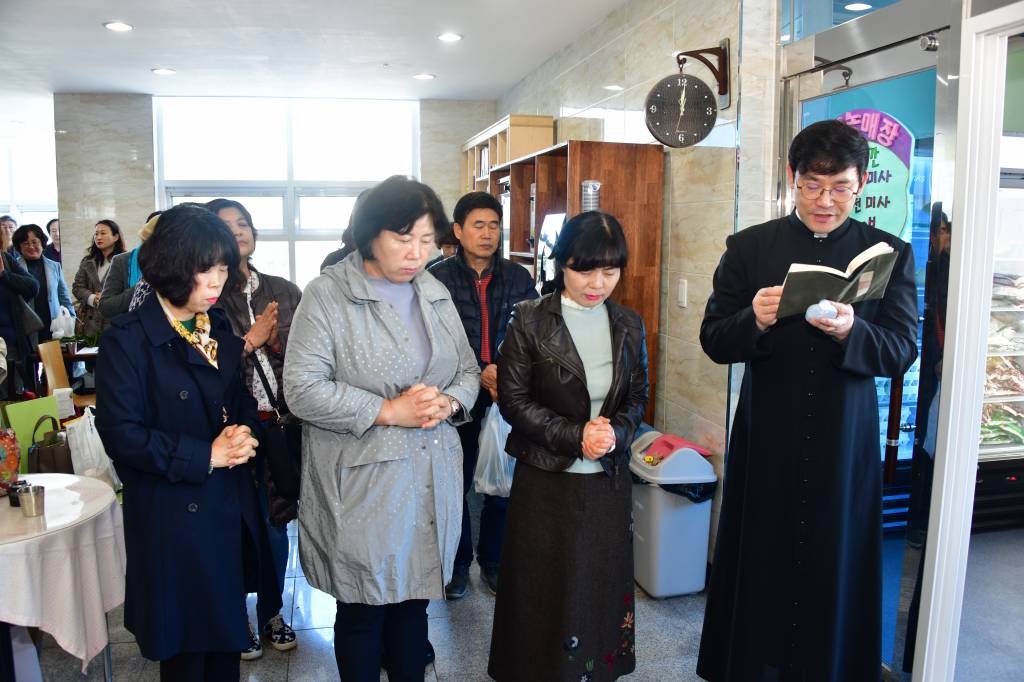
(178, 423)
(347, 246)
(572, 384)
(484, 287)
(88, 284)
(53, 290)
(16, 282)
(119, 286)
(379, 369)
(52, 250)
(796, 583)
(448, 245)
(260, 310)
(7, 227)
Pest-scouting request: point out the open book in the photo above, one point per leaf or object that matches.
(865, 279)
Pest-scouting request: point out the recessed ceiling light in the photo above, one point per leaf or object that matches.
(449, 37)
(614, 88)
(424, 76)
(118, 26)
(857, 7)
(784, 37)
(164, 71)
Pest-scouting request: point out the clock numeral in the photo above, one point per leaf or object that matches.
(682, 82)
(654, 108)
(682, 137)
(710, 112)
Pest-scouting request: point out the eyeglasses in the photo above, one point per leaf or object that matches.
(812, 190)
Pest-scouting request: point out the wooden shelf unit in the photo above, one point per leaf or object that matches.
(510, 138)
(632, 178)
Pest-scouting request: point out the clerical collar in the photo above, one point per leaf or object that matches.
(797, 221)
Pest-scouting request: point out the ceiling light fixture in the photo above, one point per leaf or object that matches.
(118, 26)
(163, 71)
(857, 7)
(449, 37)
(424, 76)
(614, 88)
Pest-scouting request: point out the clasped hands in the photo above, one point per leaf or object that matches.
(264, 330)
(235, 445)
(766, 309)
(418, 407)
(598, 438)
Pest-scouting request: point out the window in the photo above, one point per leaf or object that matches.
(296, 165)
(801, 18)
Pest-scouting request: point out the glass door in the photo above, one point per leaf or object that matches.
(890, 97)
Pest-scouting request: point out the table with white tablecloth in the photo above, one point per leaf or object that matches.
(62, 572)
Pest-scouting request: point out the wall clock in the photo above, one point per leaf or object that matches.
(681, 109)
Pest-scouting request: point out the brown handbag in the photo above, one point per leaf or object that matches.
(51, 455)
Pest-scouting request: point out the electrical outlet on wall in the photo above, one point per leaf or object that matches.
(681, 293)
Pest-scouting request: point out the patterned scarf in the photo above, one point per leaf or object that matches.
(200, 339)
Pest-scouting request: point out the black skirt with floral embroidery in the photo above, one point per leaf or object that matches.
(565, 610)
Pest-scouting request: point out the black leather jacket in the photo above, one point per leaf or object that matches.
(542, 388)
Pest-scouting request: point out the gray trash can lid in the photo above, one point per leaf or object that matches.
(669, 459)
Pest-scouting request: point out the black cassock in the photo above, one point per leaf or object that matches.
(796, 585)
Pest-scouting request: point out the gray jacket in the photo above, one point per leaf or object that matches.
(117, 295)
(380, 512)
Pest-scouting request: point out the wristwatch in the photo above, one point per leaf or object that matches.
(456, 405)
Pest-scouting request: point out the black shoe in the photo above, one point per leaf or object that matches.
(489, 574)
(430, 653)
(456, 589)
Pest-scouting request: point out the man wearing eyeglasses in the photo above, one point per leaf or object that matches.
(796, 585)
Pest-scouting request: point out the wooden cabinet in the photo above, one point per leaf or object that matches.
(510, 138)
(632, 178)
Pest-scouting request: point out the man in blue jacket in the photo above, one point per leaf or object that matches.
(485, 287)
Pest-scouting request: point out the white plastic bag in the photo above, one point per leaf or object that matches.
(63, 325)
(88, 455)
(494, 467)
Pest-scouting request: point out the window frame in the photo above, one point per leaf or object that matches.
(290, 190)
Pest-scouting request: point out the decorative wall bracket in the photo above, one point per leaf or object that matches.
(720, 71)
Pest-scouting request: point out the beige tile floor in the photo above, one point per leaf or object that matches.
(668, 634)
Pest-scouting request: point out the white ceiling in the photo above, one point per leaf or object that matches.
(285, 48)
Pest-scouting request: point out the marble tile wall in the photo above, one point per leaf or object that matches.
(707, 188)
(444, 126)
(104, 167)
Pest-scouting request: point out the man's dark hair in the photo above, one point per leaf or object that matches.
(827, 148)
(588, 241)
(51, 221)
(94, 251)
(394, 205)
(472, 201)
(188, 239)
(152, 215)
(217, 205)
(20, 235)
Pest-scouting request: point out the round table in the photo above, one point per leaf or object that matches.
(65, 570)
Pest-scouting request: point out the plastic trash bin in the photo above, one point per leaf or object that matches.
(674, 484)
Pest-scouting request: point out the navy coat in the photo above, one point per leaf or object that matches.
(796, 588)
(160, 405)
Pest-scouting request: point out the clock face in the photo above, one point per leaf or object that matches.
(680, 110)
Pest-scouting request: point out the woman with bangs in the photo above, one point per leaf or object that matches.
(572, 384)
(177, 420)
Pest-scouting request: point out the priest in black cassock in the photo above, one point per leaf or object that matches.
(796, 584)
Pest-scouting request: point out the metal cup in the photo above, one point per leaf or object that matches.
(32, 500)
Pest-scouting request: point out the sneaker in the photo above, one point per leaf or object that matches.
(489, 574)
(456, 589)
(281, 636)
(255, 649)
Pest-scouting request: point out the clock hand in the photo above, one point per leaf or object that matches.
(682, 110)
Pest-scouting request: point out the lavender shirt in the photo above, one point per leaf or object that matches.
(406, 303)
